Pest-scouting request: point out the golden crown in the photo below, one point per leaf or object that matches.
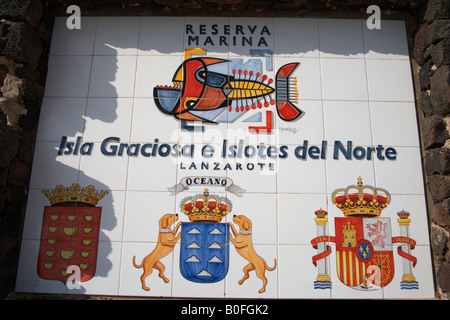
(205, 207)
(321, 213)
(403, 214)
(365, 201)
(74, 194)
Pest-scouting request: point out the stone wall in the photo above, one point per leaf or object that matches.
(432, 54)
(24, 39)
(25, 32)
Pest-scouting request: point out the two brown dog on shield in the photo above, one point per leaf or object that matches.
(242, 241)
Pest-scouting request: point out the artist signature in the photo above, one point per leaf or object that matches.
(288, 129)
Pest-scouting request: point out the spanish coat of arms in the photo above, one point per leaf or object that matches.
(364, 241)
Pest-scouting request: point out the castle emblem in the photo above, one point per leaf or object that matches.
(70, 231)
(364, 242)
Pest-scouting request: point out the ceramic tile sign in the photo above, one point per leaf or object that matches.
(227, 158)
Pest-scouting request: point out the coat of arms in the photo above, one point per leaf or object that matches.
(70, 231)
(205, 242)
(364, 242)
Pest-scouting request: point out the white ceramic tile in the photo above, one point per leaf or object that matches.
(68, 76)
(200, 32)
(239, 137)
(143, 212)
(335, 212)
(265, 66)
(341, 38)
(250, 34)
(403, 175)
(250, 287)
(205, 159)
(61, 117)
(296, 217)
(113, 209)
(112, 76)
(261, 172)
(149, 123)
(117, 36)
(257, 175)
(297, 273)
(310, 125)
(133, 56)
(394, 123)
(389, 80)
(302, 34)
(155, 71)
(340, 122)
(344, 79)
(130, 282)
(416, 206)
(161, 36)
(297, 175)
(151, 173)
(106, 117)
(27, 277)
(50, 170)
(213, 133)
(262, 214)
(388, 42)
(342, 172)
(110, 175)
(67, 41)
(422, 272)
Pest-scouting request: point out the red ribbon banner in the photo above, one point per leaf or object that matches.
(324, 254)
(402, 253)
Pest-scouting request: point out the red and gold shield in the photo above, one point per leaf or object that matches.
(351, 270)
(69, 237)
(381, 268)
(364, 256)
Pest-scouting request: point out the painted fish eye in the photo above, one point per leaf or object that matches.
(190, 103)
(201, 75)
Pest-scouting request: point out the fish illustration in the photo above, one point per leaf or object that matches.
(203, 88)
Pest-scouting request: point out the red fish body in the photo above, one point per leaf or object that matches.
(198, 90)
